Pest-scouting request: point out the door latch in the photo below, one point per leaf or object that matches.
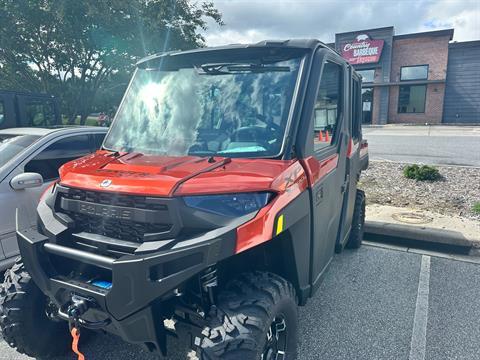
(345, 184)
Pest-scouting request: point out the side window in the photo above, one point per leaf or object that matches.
(2, 113)
(40, 113)
(328, 105)
(50, 159)
(98, 140)
(356, 109)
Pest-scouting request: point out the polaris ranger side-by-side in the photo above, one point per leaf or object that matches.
(227, 181)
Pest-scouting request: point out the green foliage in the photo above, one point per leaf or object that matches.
(84, 48)
(410, 171)
(476, 208)
(421, 173)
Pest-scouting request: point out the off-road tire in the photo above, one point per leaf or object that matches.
(246, 309)
(358, 222)
(23, 320)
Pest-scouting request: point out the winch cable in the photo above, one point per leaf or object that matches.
(77, 308)
(75, 339)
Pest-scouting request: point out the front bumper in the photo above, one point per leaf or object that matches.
(139, 282)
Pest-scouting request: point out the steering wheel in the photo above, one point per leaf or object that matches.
(270, 124)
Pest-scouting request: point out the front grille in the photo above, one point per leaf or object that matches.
(118, 229)
(137, 202)
(118, 216)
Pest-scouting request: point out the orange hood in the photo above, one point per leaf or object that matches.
(138, 174)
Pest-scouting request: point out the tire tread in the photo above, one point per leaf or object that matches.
(18, 295)
(240, 318)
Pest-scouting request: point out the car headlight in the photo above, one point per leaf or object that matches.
(232, 205)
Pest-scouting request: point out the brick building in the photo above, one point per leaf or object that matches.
(414, 78)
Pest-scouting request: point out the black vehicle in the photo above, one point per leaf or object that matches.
(22, 109)
(224, 186)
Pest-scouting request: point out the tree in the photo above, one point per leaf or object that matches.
(74, 48)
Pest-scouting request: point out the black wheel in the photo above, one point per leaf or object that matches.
(24, 322)
(358, 222)
(256, 318)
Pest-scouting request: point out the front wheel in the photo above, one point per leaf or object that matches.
(23, 317)
(256, 318)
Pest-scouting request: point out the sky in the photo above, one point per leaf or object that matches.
(251, 21)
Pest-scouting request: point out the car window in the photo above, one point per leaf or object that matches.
(11, 145)
(356, 109)
(98, 140)
(327, 105)
(54, 156)
(40, 113)
(2, 112)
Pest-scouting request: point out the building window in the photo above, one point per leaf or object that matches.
(411, 99)
(419, 72)
(367, 75)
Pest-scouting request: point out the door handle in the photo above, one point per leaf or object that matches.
(319, 195)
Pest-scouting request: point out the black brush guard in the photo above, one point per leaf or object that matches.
(138, 282)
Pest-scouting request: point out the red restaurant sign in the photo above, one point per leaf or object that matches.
(363, 50)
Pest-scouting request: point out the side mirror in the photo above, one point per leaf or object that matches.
(26, 180)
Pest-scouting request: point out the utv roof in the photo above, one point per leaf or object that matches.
(32, 94)
(293, 44)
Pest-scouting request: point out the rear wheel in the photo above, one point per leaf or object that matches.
(256, 318)
(358, 222)
(24, 322)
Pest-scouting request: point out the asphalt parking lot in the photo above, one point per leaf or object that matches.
(436, 145)
(375, 303)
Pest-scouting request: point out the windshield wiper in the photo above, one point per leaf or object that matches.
(232, 68)
(202, 153)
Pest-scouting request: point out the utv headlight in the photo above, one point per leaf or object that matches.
(232, 205)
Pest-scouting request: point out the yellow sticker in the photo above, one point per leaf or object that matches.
(279, 224)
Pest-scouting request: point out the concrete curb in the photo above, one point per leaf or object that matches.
(425, 234)
(442, 125)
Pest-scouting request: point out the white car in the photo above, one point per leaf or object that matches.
(29, 162)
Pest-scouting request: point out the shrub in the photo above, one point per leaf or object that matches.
(410, 171)
(476, 207)
(421, 173)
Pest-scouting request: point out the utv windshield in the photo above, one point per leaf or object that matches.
(232, 109)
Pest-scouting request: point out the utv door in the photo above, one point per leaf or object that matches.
(327, 164)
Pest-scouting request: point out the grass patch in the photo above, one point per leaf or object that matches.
(91, 121)
(421, 173)
(476, 208)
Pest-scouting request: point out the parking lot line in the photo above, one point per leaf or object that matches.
(431, 253)
(419, 332)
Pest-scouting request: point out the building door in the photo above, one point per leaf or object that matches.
(367, 105)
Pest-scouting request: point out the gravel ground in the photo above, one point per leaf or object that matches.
(455, 194)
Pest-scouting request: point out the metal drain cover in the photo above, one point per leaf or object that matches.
(412, 217)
